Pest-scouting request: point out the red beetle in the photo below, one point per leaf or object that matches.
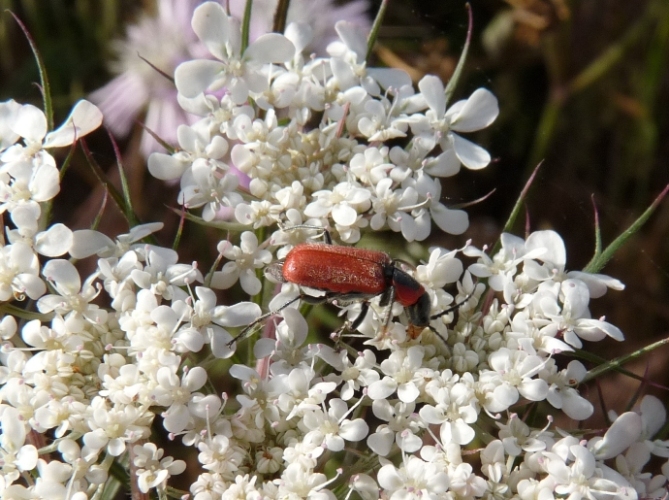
(348, 274)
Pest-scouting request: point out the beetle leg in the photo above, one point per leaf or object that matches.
(387, 299)
(248, 330)
(455, 306)
(364, 307)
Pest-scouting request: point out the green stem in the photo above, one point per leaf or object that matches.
(374, 33)
(281, 16)
(598, 261)
(246, 24)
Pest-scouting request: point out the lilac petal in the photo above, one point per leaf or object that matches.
(472, 156)
(479, 111)
(433, 91)
(84, 118)
(194, 77)
(270, 48)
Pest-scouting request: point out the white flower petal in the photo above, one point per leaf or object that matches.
(87, 242)
(472, 156)
(194, 77)
(479, 111)
(344, 215)
(408, 393)
(55, 241)
(554, 249)
(382, 388)
(270, 48)
(63, 274)
(212, 26)
(624, 431)
(84, 118)
(353, 38)
(461, 432)
(166, 167)
(240, 314)
(433, 91)
(449, 221)
(353, 430)
(30, 123)
(380, 442)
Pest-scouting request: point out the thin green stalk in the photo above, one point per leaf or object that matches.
(374, 33)
(516, 209)
(280, 16)
(99, 173)
(246, 24)
(450, 88)
(44, 79)
(615, 364)
(130, 213)
(599, 260)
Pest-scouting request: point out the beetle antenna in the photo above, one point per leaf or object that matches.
(455, 306)
(324, 230)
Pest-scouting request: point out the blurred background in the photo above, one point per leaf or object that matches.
(583, 86)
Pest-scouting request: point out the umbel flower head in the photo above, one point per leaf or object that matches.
(295, 146)
(160, 41)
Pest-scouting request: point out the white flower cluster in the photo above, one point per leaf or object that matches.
(382, 416)
(312, 148)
